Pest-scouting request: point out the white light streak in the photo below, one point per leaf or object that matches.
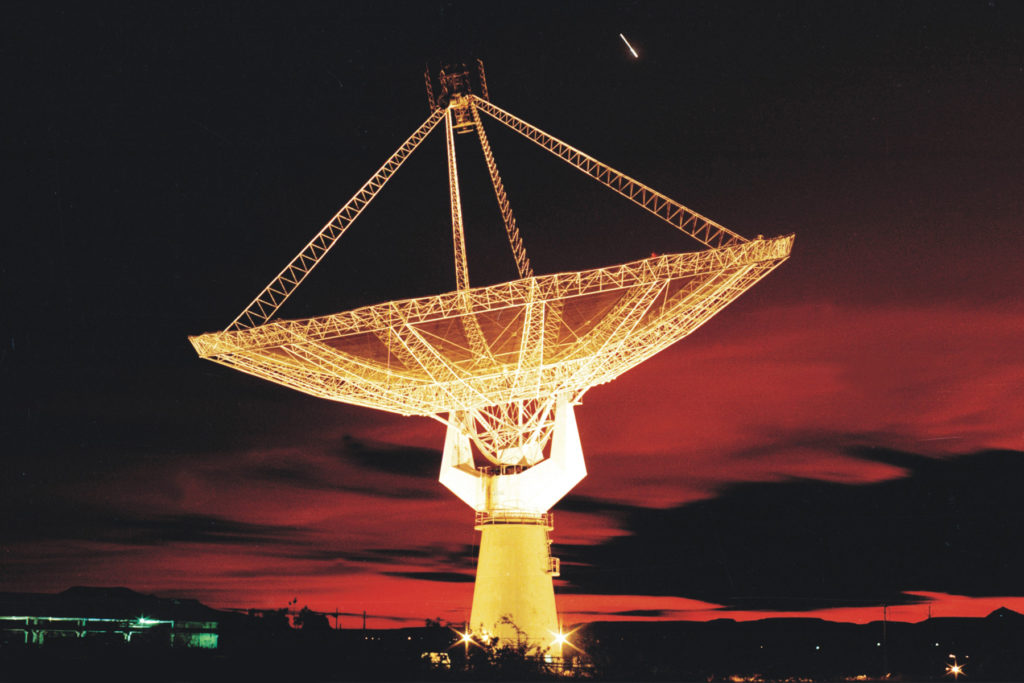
(635, 55)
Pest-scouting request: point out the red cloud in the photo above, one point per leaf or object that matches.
(765, 396)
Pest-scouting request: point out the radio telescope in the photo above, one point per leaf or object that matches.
(503, 365)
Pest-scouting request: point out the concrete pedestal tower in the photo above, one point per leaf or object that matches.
(514, 595)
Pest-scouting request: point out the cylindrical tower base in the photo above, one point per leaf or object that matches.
(514, 595)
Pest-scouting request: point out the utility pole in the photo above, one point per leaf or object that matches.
(885, 643)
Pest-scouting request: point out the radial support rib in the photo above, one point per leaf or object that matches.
(439, 369)
(346, 368)
(531, 344)
(693, 224)
(265, 305)
(620, 324)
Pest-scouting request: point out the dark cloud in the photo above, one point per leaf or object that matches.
(68, 521)
(306, 474)
(391, 458)
(324, 570)
(951, 525)
(189, 528)
(590, 505)
(404, 552)
(446, 577)
(642, 613)
(297, 474)
(462, 557)
(397, 491)
(318, 554)
(187, 409)
(458, 557)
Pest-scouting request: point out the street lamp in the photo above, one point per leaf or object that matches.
(955, 669)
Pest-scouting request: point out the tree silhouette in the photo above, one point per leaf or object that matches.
(311, 621)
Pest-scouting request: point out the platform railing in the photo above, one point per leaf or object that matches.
(487, 518)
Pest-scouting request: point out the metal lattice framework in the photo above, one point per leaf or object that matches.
(265, 305)
(491, 361)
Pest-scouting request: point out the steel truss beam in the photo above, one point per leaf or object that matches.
(531, 343)
(265, 305)
(470, 325)
(686, 315)
(511, 228)
(432, 381)
(458, 235)
(512, 433)
(622, 321)
(496, 297)
(504, 404)
(690, 222)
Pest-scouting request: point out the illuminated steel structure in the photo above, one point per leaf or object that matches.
(501, 366)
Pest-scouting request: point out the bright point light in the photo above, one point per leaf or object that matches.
(465, 639)
(560, 639)
(955, 669)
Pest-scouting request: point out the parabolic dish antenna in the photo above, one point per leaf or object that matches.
(501, 366)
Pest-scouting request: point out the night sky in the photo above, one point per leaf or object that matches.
(846, 435)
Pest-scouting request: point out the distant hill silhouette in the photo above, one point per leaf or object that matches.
(106, 602)
(1007, 615)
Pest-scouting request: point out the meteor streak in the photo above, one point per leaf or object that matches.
(635, 55)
